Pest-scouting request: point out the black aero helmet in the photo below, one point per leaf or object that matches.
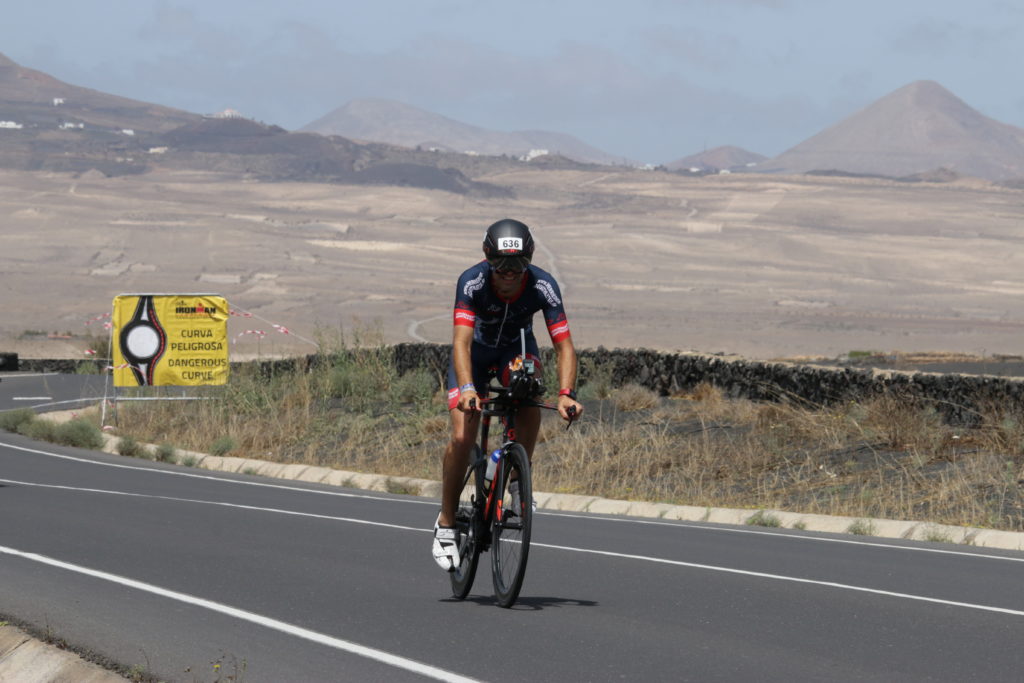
(508, 244)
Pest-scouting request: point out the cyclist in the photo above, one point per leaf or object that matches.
(493, 301)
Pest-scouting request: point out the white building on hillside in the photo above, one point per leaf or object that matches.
(227, 114)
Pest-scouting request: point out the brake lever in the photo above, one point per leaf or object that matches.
(571, 411)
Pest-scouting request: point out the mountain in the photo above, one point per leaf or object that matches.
(46, 124)
(271, 153)
(37, 100)
(918, 128)
(381, 120)
(717, 159)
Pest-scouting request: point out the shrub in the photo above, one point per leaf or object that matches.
(129, 447)
(165, 453)
(595, 380)
(87, 367)
(100, 343)
(39, 430)
(762, 518)
(12, 420)
(223, 445)
(415, 386)
(635, 397)
(862, 527)
(936, 534)
(362, 377)
(79, 433)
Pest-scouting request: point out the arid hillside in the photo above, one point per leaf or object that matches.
(311, 232)
(762, 266)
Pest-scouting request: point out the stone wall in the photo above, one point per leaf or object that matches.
(957, 397)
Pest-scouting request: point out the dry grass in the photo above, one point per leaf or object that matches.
(882, 458)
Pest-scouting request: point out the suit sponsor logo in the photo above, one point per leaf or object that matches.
(545, 288)
(473, 286)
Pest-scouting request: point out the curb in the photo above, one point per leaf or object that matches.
(872, 527)
(24, 658)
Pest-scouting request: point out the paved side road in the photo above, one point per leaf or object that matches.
(44, 391)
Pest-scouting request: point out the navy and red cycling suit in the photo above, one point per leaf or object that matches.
(496, 321)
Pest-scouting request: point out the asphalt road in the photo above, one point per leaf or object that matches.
(175, 570)
(49, 391)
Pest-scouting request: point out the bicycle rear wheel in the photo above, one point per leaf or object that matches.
(468, 521)
(513, 520)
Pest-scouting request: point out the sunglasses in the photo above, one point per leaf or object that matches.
(507, 272)
(509, 266)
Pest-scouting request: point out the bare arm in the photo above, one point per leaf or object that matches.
(462, 341)
(565, 353)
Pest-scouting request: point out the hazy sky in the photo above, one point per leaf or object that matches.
(653, 80)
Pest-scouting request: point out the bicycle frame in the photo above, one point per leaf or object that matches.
(484, 521)
(506, 408)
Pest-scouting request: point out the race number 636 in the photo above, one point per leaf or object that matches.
(511, 243)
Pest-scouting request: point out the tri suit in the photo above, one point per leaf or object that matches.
(496, 322)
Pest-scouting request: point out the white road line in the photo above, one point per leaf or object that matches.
(290, 629)
(723, 528)
(31, 398)
(6, 376)
(606, 553)
(216, 503)
(340, 494)
(73, 400)
(802, 537)
(780, 577)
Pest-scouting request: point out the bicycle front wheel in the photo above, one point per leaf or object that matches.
(469, 523)
(513, 519)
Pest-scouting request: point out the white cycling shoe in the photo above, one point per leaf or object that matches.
(446, 547)
(517, 503)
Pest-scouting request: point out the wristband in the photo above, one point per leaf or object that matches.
(571, 393)
(467, 387)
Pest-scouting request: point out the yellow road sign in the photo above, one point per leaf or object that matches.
(170, 340)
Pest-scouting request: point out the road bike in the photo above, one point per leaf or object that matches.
(498, 516)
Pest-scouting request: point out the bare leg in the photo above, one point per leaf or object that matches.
(456, 460)
(527, 428)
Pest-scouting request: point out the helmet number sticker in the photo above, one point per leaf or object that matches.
(505, 243)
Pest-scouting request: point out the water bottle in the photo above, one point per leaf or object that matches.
(492, 465)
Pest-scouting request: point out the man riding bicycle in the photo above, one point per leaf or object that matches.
(493, 301)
